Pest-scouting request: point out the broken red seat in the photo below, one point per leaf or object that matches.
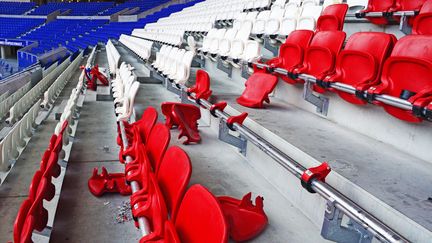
(100, 184)
(332, 18)
(407, 74)
(423, 22)
(320, 56)
(96, 74)
(185, 117)
(360, 63)
(258, 88)
(202, 86)
(291, 53)
(245, 220)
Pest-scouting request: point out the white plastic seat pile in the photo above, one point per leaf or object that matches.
(113, 57)
(10, 100)
(56, 88)
(174, 63)
(27, 101)
(124, 88)
(141, 47)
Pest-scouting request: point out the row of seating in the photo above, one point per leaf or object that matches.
(17, 138)
(76, 8)
(371, 63)
(141, 47)
(24, 103)
(280, 23)
(33, 215)
(199, 18)
(163, 175)
(231, 45)
(57, 86)
(385, 9)
(113, 57)
(15, 7)
(124, 89)
(175, 38)
(13, 28)
(9, 101)
(174, 63)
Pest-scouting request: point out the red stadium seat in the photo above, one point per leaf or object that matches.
(379, 6)
(360, 63)
(245, 220)
(170, 235)
(18, 233)
(200, 218)
(320, 56)
(258, 87)
(151, 205)
(202, 85)
(408, 5)
(173, 177)
(158, 142)
(146, 123)
(423, 22)
(407, 74)
(332, 18)
(291, 52)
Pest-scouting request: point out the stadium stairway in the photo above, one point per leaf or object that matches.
(228, 174)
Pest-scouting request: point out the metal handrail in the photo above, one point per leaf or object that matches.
(377, 228)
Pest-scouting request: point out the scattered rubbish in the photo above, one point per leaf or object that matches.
(106, 149)
(124, 213)
(106, 203)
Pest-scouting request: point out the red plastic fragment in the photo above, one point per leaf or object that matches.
(245, 220)
(99, 184)
(202, 86)
(237, 119)
(315, 173)
(185, 117)
(96, 74)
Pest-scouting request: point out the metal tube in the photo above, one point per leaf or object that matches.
(348, 207)
(143, 223)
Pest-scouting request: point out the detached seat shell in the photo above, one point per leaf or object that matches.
(258, 88)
